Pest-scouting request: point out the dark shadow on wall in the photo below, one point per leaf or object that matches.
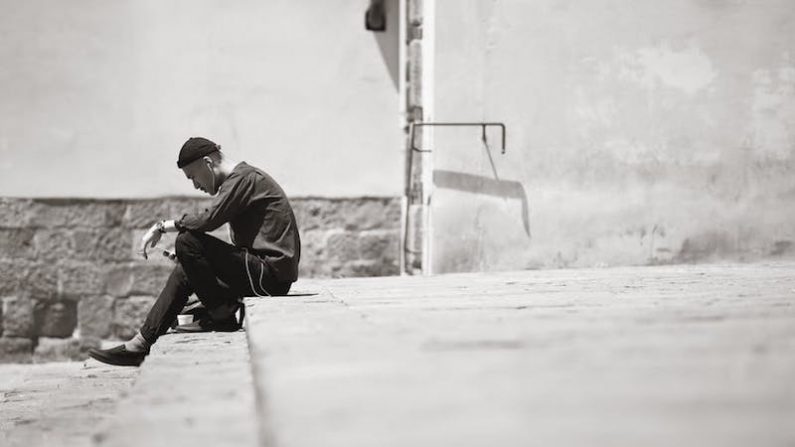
(477, 184)
(388, 40)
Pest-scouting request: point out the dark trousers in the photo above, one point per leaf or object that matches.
(216, 272)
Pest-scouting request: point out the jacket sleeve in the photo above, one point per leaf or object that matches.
(233, 197)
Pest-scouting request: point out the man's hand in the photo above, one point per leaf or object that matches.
(151, 238)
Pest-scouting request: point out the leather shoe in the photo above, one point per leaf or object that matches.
(118, 356)
(207, 324)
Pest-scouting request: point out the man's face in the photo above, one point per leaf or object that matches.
(199, 172)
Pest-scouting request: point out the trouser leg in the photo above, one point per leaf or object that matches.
(200, 257)
(206, 260)
(216, 271)
(167, 306)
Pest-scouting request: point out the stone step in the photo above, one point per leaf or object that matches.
(193, 389)
(652, 356)
(657, 356)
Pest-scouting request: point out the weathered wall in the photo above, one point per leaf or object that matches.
(97, 97)
(638, 131)
(70, 273)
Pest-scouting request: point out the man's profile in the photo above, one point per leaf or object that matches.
(262, 259)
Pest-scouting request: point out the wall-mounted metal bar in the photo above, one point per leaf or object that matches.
(414, 148)
(482, 126)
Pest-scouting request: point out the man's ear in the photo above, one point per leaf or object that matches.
(208, 161)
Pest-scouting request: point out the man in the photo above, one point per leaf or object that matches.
(263, 260)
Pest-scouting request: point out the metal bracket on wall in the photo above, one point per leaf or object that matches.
(483, 127)
(414, 148)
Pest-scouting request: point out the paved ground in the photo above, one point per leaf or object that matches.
(193, 390)
(653, 356)
(58, 404)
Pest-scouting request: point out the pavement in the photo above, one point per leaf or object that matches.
(696, 355)
(58, 404)
(193, 389)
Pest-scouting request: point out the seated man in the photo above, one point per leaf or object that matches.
(262, 261)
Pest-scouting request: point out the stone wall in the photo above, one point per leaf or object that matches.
(71, 275)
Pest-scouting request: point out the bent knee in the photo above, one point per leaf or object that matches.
(187, 242)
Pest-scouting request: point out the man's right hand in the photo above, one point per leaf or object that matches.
(151, 238)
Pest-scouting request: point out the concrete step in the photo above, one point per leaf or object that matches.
(652, 356)
(193, 389)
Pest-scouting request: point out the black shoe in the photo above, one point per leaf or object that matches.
(209, 325)
(118, 356)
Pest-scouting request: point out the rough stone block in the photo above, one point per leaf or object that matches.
(102, 245)
(119, 280)
(81, 278)
(41, 281)
(16, 242)
(326, 269)
(63, 349)
(129, 314)
(137, 278)
(18, 317)
(334, 269)
(308, 271)
(350, 214)
(372, 214)
(377, 268)
(54, 245)
(95, 315)
(150, 279)
(313, 245)
(76, 213)
(314, 258)
(361, 268)
(14, 213)
(342, 245)
(380, 245)
(15, 350)
(143, 213)
(57, 319)
(307, 212)
(12, 276)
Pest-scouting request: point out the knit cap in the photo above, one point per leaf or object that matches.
(194, 149)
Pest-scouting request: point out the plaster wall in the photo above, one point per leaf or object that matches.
(97, 97)
(639, 132)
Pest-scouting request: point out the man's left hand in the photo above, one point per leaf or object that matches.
(151, 238)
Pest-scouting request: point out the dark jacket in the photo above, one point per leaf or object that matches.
(260, 218)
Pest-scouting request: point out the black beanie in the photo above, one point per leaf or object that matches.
(194, 149)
